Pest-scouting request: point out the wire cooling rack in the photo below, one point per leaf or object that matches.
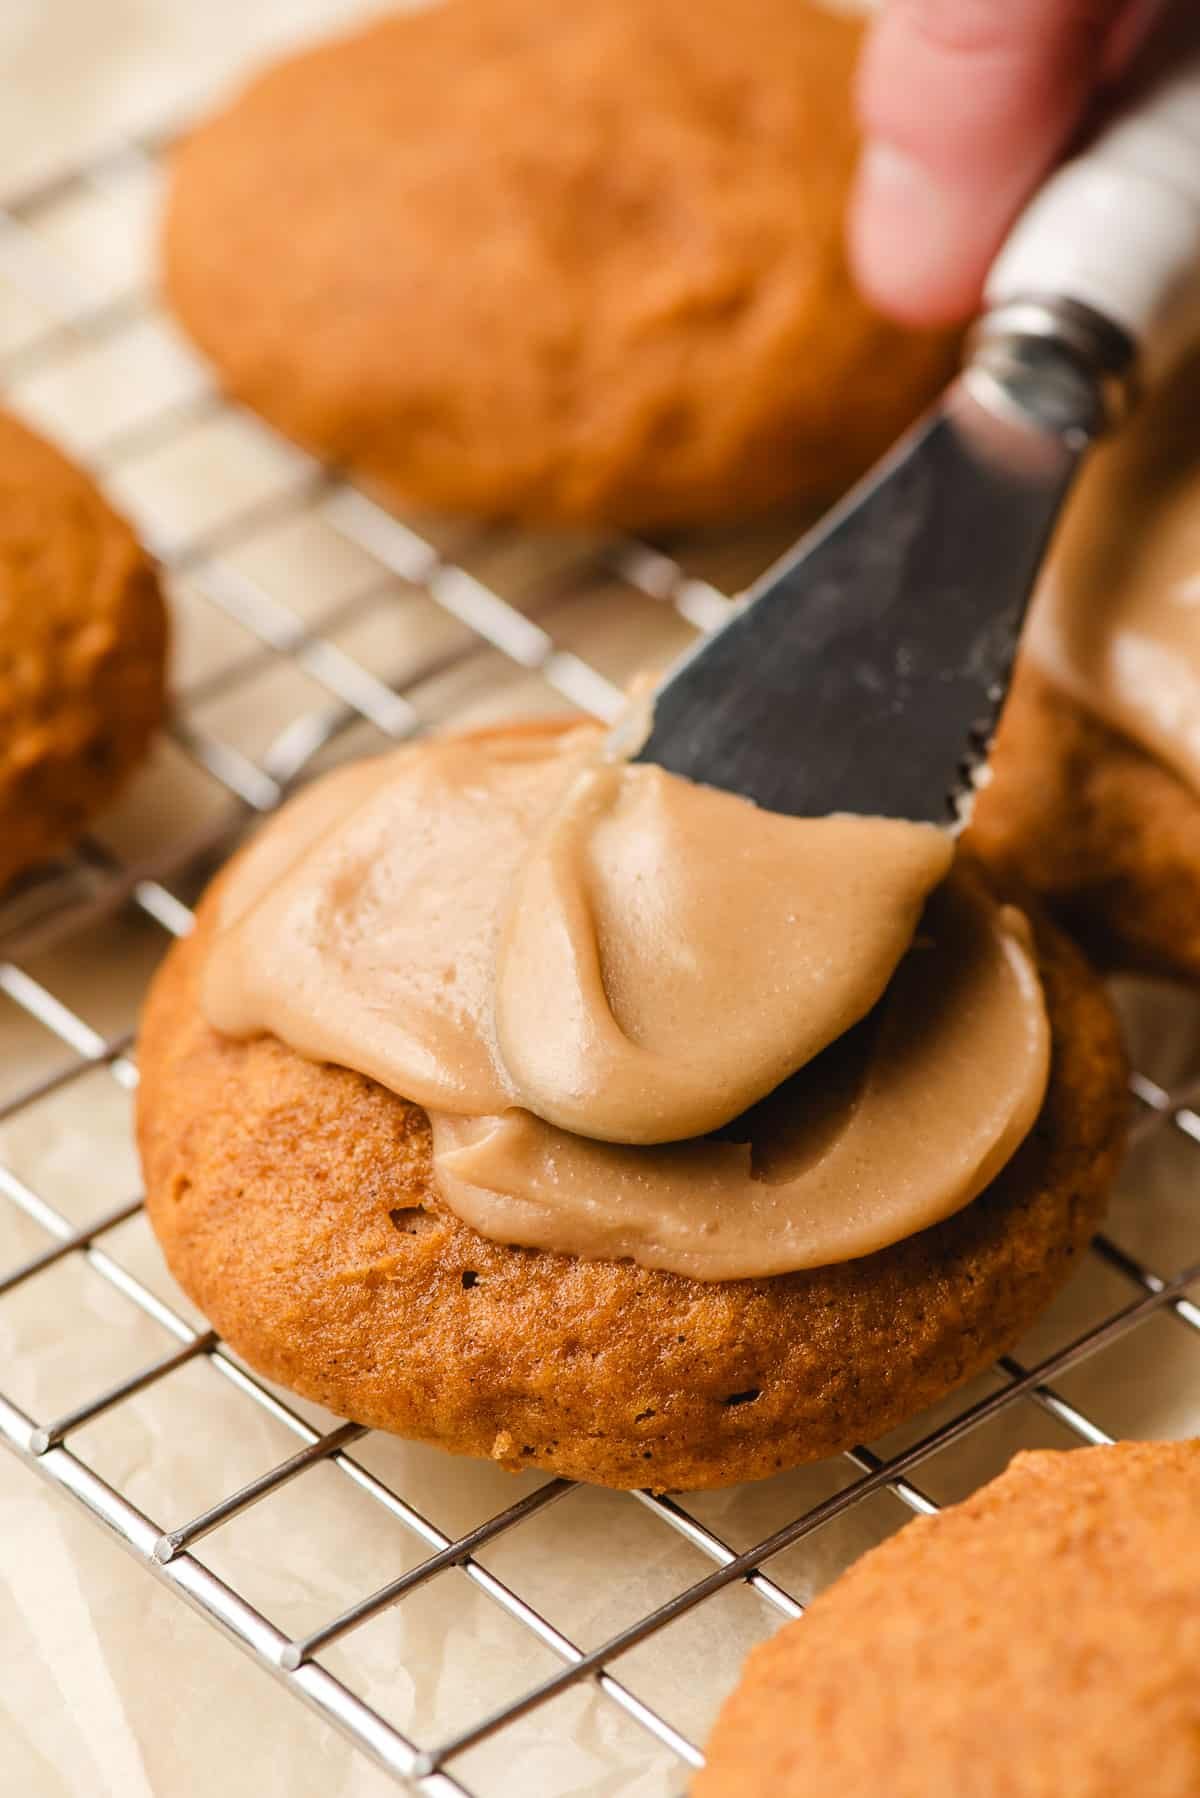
(480, 640)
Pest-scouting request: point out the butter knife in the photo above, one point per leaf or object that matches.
(866, 670)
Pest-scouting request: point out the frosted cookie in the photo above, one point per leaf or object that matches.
(1095, 801)
(299, 1203)
(573, 264)
(82, 650)
(1040, 1639)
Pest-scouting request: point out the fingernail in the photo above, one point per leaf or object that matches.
(906, 237)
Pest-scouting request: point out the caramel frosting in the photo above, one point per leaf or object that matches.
(1117, 617)
(904, 1120)
(581, 968)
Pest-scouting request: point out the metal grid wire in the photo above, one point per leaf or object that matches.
(77, 899)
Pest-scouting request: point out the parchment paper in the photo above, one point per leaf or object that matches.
(108, 1685)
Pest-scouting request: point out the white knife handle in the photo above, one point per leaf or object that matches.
(1117, 229)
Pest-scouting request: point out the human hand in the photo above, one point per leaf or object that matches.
(965, 106)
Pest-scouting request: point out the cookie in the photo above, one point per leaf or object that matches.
(82, 650)
(1040, 1640)
(576, 264)
(295, 1204)
(1106, 834)
(1095, 800)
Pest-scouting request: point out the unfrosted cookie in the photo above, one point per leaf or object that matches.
(1039, 1641)
(295, 1204)
(82, 650)
(555, 262)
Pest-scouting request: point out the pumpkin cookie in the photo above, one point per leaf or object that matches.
(1106, 834)
(82, 650)
(1040, 1639)
(556, 263)
(1095, 801)
(295, 1203)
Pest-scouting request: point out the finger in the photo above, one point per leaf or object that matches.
(1133, 25)
(964, 105)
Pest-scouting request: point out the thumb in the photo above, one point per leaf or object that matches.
(964, 105)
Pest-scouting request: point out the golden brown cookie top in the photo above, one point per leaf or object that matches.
(82, 643)
(1041, 1639)
(564, 262)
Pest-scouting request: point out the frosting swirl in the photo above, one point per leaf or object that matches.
(582, 968)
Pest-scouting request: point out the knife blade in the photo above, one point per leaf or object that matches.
(865, 671)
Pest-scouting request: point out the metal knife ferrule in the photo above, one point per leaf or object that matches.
(1054, 362)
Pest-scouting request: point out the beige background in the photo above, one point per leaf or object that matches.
(108, 1686)
(78, 72)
